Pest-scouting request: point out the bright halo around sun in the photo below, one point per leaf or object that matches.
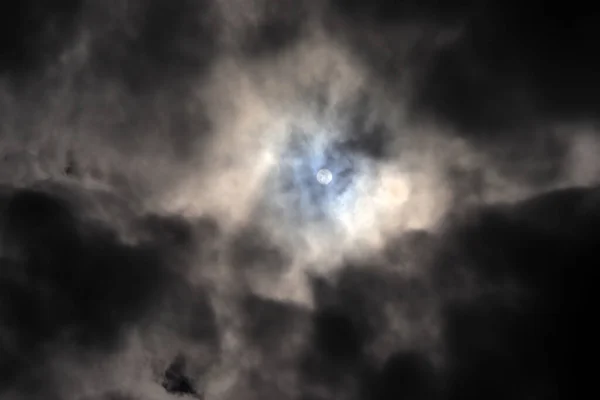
(314, 181)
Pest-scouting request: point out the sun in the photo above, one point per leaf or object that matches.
(324, 176)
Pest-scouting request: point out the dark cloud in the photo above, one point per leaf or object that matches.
(154, 45)
(394, 37)
(335, 357)
(371, 141)
(532, 160)
(384, 12)
(362, 291)
(188, 313)
(501, 352)
(412, 247)
(513, 285)
(511, 63)
(350, 318)
(499, 74)
(365, 135)
(269, 324)
(111, 396)
(126, 68)
(337, 337)
(509, 332)
(406, 375)
(514, 65)
(176, 380)
(74, 283)
(281, 25)
(254, 251)
(33, 33)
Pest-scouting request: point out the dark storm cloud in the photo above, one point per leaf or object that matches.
(393, 12)
(393, 36)
(74, 283)
(333, 364)
(365, 135)
(123, 69)
(370, 141)
(111, 396)
(405, 375)
(188, 312)
(34, 32)
(410, 247)
(511, 76)
(499, 74)
(360, 294)
(350, 318)
(515, 64)
(512, 61)
(514, 333)
(154, 43)
(140, 57)
(531, 158)
(280, 26)
(514, 294)
(176, 380)
(253, 248)
(270, 323)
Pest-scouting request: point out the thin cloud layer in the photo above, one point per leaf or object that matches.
(163, 232)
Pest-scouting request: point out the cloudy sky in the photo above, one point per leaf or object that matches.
(163, 232)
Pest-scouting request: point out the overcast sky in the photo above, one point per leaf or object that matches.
(163, 232)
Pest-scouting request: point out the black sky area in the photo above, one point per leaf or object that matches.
(508, 281)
